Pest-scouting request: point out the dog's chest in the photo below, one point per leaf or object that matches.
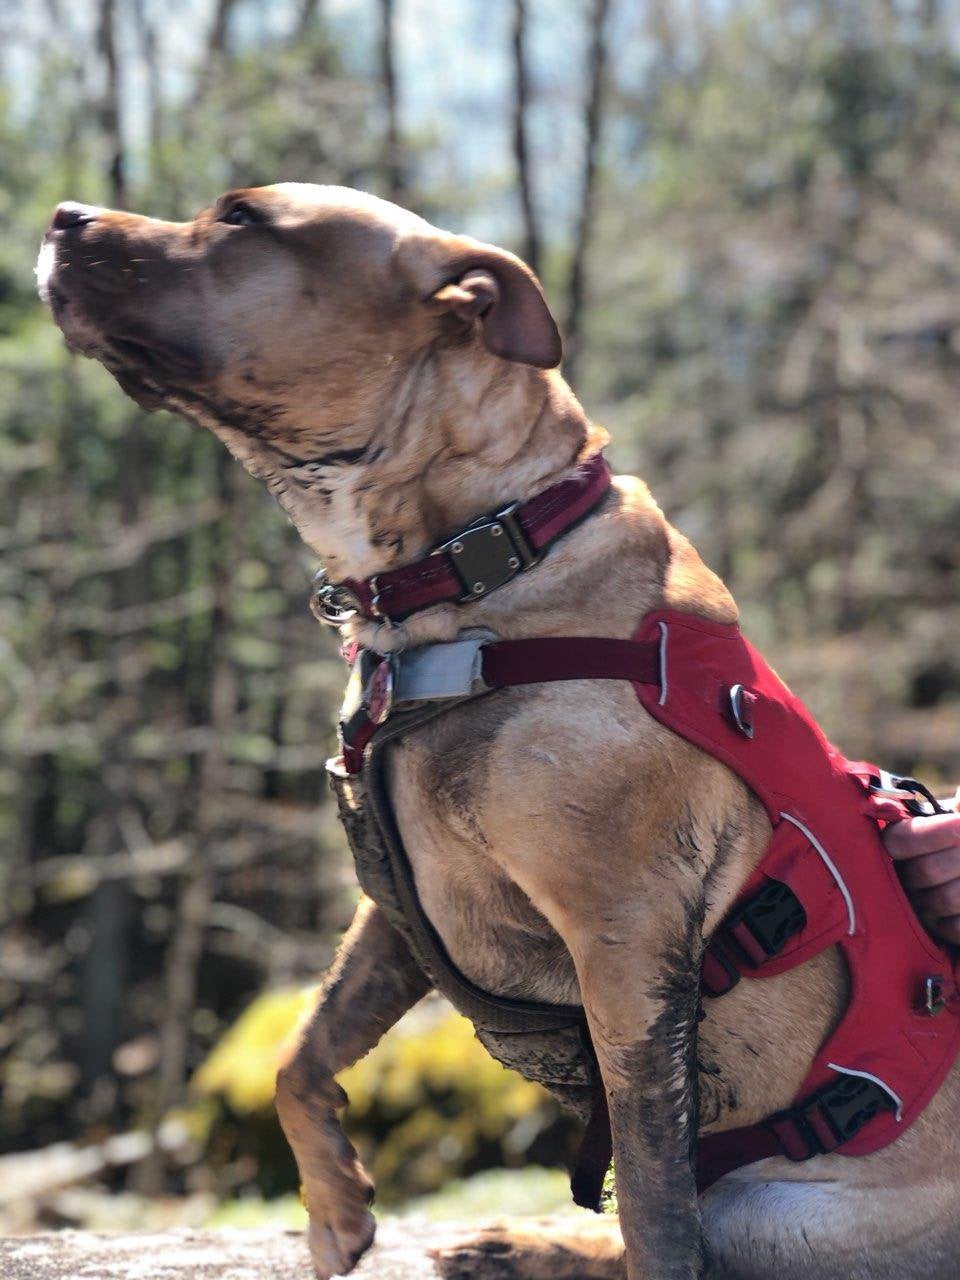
(489, 928)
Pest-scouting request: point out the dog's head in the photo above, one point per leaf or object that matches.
(285, 317)
(278, 291)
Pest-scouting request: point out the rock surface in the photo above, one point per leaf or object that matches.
(268, 1254)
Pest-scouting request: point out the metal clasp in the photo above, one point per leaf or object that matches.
(331, 603)
(934, 998)
(741, 709)
(517, 535)
(490, 553)
(913, 795)
(380, 689)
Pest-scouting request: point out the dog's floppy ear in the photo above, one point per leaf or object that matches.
(484, 284)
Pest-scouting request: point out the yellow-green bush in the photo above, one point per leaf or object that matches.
(427, 1105)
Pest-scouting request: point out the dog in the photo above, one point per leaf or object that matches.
(388, 382)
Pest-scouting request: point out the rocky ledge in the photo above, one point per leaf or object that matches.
(268, 1254)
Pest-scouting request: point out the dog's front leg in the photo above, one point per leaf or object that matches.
(372, 983)
(639, 984)
(641, 1004)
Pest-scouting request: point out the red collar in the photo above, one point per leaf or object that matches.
(489, 553)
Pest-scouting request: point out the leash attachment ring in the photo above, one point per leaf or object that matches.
(332, 603)
(742, 701)
(916, 798)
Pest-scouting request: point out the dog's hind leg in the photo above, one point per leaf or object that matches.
(582, 1249)
(830, 1229)
(372, 983)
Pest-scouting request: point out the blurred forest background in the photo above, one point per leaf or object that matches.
(747, 216)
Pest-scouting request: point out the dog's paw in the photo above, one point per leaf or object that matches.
(338, 1241)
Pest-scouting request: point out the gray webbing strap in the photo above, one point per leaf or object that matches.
(449, 670)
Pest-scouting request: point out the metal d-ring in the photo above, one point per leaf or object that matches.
(739, 712)
(331, 603)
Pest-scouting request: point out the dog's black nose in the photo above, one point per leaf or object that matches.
(69, 214)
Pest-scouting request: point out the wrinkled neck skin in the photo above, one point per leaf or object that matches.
(376, 472)
(451, 436)
(428, 447)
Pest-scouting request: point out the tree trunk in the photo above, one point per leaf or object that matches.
(660, 21)
(521, 149)
(308, 18)
(106, 962)
(220, 30)
(596, 71)
(151, 57)
(110, 103)
(218, 42)
(392, 160)
(196, 889)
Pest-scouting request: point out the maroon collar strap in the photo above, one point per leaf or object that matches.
(489, 553)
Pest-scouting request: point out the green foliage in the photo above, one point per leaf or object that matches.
(242, 1068)
(428, 1105)
(431, 1104)
(162, 683)
(304, 117)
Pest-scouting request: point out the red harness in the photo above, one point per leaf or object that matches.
(824, 880)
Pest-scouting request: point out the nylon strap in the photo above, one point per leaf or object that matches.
(512, 662)
(531, 528)
(594, 1156)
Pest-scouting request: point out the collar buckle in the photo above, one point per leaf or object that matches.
(490, 553)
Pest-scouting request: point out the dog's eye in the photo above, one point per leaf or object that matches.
(241, 215)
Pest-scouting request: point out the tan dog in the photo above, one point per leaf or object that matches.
(389, 382)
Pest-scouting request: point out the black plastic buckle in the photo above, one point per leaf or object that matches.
(770, 918)
(718, 973)
(850, 1103)
(490, 553)
(828, 1119)
(920, 807)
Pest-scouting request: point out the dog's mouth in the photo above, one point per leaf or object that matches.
(94, 318)
(148, 367)
(148, 354)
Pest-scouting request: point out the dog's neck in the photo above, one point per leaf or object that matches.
(451, 436)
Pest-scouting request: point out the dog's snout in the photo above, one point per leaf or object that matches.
(70, 214)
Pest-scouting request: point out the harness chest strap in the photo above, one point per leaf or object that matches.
(825, 878)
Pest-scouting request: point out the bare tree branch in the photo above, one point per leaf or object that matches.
(110, 103)
(217, 47)
(218, 36)
(576, 291)
(151, 56)
(309, 13)
(521, 149)
(392, 160)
